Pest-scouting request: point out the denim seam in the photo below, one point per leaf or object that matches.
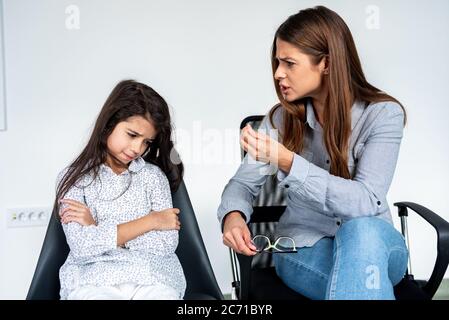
(334, 276)
(298, 263)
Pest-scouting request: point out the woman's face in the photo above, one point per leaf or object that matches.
(129, 140)
(297, 76)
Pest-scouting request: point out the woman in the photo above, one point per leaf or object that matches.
(339, 140)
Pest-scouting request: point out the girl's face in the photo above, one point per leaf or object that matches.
(129, 140)
(298, 77)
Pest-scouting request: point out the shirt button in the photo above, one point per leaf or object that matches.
(327, 161)
(287, 186)
(379, 203)
(338, 223)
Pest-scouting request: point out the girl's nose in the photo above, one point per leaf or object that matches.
(135, 148)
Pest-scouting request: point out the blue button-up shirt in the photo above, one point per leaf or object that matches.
(318, 203)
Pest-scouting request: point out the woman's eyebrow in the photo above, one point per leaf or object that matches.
(286, 59)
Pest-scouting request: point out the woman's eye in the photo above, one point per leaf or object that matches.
(289, 63)
(132, 135)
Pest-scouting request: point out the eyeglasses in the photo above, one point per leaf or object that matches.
(281, 245)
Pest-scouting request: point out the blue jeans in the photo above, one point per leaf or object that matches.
(364, 260)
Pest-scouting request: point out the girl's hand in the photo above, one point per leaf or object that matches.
(262, 148)
(165, 220)
(76, 212)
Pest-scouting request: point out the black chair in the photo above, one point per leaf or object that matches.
(254, 278)
(201, 282)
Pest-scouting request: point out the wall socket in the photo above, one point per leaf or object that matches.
(28, 216)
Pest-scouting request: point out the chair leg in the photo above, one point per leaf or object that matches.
(404, 230)
(235, 290)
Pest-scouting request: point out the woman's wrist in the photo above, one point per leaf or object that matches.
(286, 161)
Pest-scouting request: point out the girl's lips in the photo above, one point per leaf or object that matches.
(128, 157)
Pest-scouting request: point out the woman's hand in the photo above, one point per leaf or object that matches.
(262, 148)
(76, 212)
(167, 219)
(236, 234)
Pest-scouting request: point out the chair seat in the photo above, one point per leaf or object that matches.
(266, 285)
(410, 290)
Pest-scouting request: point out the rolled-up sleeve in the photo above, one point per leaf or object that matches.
(364, 194)
(245, 185)
(87, 241)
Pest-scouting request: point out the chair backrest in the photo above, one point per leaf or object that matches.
(268, 205)
(201, 281)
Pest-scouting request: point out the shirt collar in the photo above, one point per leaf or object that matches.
(135, 166)
(356, 112)
(310, 116)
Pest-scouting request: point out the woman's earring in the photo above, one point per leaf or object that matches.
(157, 153)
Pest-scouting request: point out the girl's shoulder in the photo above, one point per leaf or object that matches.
(152, 170)
(83, 180)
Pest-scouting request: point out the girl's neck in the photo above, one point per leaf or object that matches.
(116, 166)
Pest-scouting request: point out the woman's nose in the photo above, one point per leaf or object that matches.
(279, 74)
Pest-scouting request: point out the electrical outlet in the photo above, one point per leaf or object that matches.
(28, 216)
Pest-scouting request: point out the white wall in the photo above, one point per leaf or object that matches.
(210, 60)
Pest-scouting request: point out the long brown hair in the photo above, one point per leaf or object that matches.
(129, 98)
(319, 33)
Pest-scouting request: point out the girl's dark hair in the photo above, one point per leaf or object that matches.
(320, 32)
(129, 98)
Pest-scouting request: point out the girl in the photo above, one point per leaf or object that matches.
(116, 208)
(340, 139)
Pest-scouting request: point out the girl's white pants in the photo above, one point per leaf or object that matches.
(125, 291)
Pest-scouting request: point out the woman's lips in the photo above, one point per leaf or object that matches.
(284, 89)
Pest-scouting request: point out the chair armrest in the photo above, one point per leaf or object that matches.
(442, 228)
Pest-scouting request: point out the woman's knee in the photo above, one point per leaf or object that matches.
(372, 239)
(367, 232)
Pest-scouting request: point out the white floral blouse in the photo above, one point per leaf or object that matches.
(95, 258)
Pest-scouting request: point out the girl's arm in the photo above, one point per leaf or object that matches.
(160, 242)
(91, 240)
(155, 220)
